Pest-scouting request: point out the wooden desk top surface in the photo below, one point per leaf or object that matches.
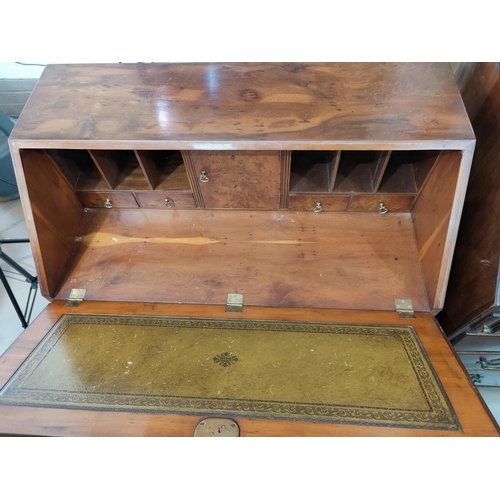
(245, 106)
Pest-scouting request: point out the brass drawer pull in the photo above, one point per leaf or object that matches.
(382, 209)
(318, 207)
(169, 203)
(491, 364)
(108, 203)
(203, 176)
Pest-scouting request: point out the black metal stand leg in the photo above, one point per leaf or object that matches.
(15, 265)
(33, 280)
(12, 298)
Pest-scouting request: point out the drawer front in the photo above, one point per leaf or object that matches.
(327, 203)
(371, 203)
(111, 199)
(478, 342)
(483, 368)
(166, 200)
(238, 179)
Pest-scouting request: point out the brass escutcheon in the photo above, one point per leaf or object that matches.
(108, 203)
(217, 427)
(203, 176)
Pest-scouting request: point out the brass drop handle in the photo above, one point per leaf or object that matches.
(491, 364)
(108, 203)
(169, 203)
(382, 209)
(318, 207)
(203, 176)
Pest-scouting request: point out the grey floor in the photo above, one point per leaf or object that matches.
(12, 225)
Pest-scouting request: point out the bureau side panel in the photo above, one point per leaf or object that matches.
(52, 212)
(436, 217)
(473, 280)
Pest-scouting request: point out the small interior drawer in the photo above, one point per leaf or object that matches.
(327, 203)
(165, 199)
(372, 203)
(108, 199)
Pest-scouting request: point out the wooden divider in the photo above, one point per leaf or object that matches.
(50, 201)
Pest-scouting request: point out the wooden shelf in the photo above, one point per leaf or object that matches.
(78, 167)
(359, 171)
(312, 171)
(121, 169)
(407, 170)
(165, 170)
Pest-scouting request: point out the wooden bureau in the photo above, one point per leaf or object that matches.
(320, 192)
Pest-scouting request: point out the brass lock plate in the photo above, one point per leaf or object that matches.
(217, 427)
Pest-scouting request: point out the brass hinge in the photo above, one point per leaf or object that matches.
(234, 303)
(76, 297)
(404, 308)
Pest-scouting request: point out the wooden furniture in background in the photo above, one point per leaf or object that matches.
(474, 290)
(312, 189)
(471, 314)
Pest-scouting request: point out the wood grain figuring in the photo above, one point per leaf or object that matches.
(371, 202)
(474, 274)
(239, 179)
(274, 258)
(50, 194)
(256, 106)
(157, 199)
(436, 215)
(329, 203)
(469, 407)
(97, 199)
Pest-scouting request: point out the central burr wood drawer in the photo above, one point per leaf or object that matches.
(238, 179)
(166, 199)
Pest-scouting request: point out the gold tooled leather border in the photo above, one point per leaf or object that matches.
(439, 416)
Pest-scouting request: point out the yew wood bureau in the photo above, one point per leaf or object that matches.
(306, 192)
